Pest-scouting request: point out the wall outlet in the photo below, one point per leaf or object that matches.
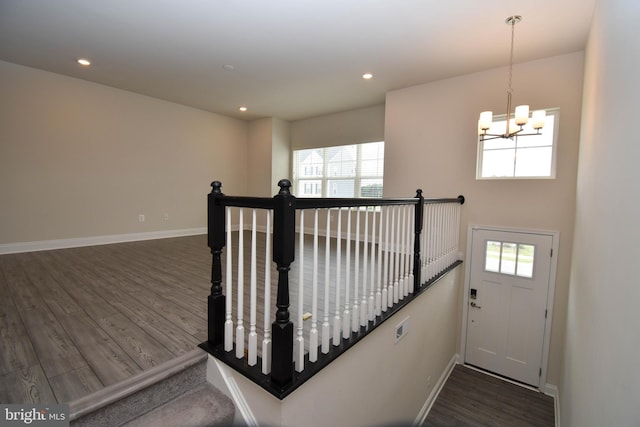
(166, 216)
(141, 218)
(401, 329)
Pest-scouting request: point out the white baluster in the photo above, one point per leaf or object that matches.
(395, 238)
(424, 250)
(228, 323)
(313, 333)
(346, 316)
(378, 310)
(363, 304)
(240, 325)
(253, 335)
(412, 252)
(440, 234)
(408, 250)
(337, 321)
(432, 240)
(299, 342)
(457, 233)
(403, 251)
(385, 276)
(266, 341)
(327, 253)
(355, 311)
(371, 305)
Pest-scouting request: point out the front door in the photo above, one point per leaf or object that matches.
(507, 310)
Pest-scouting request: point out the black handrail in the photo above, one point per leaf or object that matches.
(284, 204)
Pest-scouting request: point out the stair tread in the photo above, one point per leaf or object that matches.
(203, 406)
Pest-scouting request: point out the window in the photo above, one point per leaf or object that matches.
(522, 157)
(342, 171)
(513, 259)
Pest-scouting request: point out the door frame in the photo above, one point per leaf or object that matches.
(555, 238)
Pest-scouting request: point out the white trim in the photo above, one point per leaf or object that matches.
(555, 240)
(428, 404)
(123, 389)
(552, 390)
(218, 375)
(44, 245)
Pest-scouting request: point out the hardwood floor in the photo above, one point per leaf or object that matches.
(73, 321)
(473, 398)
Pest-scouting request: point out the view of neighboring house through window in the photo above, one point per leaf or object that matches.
(531, 156)
(341, 171)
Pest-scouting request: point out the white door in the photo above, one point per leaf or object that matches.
(507, 310)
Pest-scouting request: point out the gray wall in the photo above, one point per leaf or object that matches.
(79, 159)
(600, 381)
(431, 143)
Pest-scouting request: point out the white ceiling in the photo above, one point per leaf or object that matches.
(292, 59)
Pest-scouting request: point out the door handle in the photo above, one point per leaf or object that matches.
(474, 305)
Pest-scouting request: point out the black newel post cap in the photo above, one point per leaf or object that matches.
(419, 192)
(285, 187)
(216, 187)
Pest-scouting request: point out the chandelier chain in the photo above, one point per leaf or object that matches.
(513, 24)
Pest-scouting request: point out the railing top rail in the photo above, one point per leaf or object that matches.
(311, 203)
(320, 203)
(248, 202)
(459, 199)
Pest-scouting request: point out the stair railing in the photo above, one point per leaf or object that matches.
(400, 248)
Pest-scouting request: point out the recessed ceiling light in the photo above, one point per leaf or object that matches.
(243, 108)
(228, 67)
(84, 62)
(367, 76)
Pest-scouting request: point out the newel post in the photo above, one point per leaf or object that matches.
(284, 215)
(216, 241)
(417, 265)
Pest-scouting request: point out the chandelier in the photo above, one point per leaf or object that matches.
(521, 116)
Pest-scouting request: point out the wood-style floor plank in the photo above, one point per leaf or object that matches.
(26, 385)
(74, 384)
(83, 318)
(473, 398)
(142, 348)
(117, 309)
(107, 359)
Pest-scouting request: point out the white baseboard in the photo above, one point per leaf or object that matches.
(552, 390)
(44, 245)
(424, 412)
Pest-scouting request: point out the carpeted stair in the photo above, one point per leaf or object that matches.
(172, 394)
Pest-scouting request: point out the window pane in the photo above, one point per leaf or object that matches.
(341, 188)
(341, 161)
(372, 159)
(508, 259)
(310, 188)
(525, 260)
(527, 155)
(498, 163)
(492, 256)
(545, 138)
(335, 171)
(371, 188)
(533, 161)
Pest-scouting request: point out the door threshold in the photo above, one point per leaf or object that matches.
(501, 377)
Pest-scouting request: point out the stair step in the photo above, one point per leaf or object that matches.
(177, 381)
(204, 406)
